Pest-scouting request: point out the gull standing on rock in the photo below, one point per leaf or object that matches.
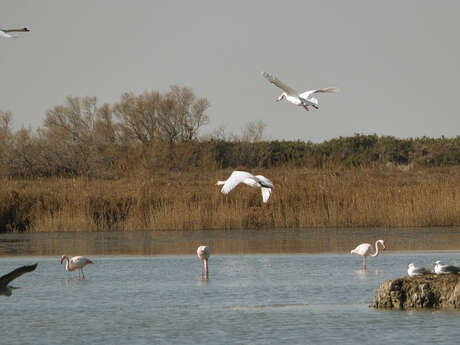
(238, 177)
(445, 269)
(304, 99)
(413, 271)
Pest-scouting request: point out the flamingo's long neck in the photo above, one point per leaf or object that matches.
(67, 264)
(377, 249)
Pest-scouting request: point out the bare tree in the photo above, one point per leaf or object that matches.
(174, 117)
(254, 131)
(138, 116)
(6, 136)
(82, 137)
(182, 115)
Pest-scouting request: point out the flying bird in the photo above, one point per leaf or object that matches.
(304, 99)
(76, 263)
(5, 289)
(204, 253)
(365, 250)
(413, 271)
(4, 33)
(445, 269)
(257, 181)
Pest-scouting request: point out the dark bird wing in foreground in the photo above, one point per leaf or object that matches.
(7, 278)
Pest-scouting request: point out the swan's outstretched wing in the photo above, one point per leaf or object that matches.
(234, 180)
(266, 193)
(275, 81)
(265, 182)
(7, 278)
(307, 94)
(15, 30)
(5, 35)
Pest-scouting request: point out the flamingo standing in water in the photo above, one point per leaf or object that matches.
(365, 249)
(76, 263)
(204, 253)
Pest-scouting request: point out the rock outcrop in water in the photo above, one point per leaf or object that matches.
(428, 291)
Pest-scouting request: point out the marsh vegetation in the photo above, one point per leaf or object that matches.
(143, 164)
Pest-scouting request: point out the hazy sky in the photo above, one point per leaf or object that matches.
(397, 63)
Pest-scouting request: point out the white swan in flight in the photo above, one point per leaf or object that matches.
(238, 177)
(4, 33)
(304, 99)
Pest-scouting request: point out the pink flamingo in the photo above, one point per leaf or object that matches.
(76, 263)
(365, 249)
(204, 253)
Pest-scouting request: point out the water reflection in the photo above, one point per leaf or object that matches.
(226, 241)
(366, 274)
(72, 282)
(203, 281)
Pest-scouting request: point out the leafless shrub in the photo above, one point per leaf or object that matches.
(253, 132)
(5, 140)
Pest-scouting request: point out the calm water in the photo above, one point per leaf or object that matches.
(248, 299)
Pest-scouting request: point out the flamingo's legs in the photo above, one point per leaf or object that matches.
(364, 263)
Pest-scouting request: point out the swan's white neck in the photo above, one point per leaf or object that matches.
(283, 95)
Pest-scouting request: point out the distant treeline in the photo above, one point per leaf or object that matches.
(151, 132)
(357, 151)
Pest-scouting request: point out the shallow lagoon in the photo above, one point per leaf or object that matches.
(252, 296)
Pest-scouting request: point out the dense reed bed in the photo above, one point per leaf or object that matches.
(358, 197)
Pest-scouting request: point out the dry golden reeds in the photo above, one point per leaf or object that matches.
(371, 197)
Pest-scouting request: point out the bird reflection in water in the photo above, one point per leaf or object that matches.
(203, 281)
(71, 282)
(7, 290)
(365, 274)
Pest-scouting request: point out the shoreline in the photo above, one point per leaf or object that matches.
(267, 241)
